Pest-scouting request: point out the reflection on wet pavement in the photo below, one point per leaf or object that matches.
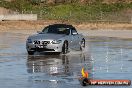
(103, 58)
(61, 68)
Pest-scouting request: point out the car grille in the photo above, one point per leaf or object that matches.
(42, 49)
(41, 42)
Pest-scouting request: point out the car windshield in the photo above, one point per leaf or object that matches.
(56, 30)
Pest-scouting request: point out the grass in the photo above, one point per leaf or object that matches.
(70, 12)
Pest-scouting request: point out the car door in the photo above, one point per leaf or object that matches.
(75, 38)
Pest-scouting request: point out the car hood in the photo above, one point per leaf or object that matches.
(46, 36)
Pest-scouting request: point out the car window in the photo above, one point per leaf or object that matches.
(45, 30)
(56, 30)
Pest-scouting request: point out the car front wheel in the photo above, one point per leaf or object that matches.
(82, 45)
(30, 52)
(65, 48)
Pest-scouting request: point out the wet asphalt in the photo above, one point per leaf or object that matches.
(103, 58)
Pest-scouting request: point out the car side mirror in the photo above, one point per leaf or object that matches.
(74, 33)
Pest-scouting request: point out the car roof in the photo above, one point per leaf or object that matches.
(61, 25)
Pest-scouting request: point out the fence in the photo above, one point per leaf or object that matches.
(18, 17)
(85, 17)
(71, 16)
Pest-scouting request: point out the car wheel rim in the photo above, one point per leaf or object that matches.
(83, 43)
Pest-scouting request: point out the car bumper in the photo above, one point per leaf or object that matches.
(47, 48)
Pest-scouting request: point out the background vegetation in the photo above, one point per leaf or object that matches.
(74, 10)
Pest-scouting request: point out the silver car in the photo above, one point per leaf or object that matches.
(59, 38)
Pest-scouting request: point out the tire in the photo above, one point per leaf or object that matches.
(65, 48)
(82, 45)
(30, 52)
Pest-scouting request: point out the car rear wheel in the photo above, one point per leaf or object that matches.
(30, 52)
(65, 48)
(82, 45)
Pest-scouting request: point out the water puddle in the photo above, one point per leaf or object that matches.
(103, 58)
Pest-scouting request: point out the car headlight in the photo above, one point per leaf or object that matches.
(29, 41)
(56, 41)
